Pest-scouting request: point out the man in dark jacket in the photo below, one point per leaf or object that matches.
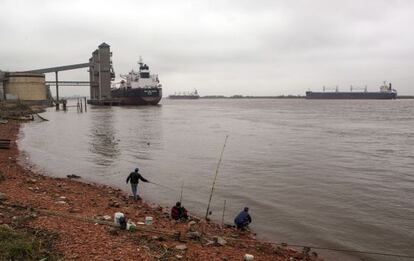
(243, 219)
(135, 177)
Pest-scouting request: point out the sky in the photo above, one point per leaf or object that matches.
(226, 47)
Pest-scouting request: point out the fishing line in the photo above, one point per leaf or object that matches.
(167, 187)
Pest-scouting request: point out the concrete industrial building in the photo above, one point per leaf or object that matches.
(101, 73)
(25, 86)
(30, 86)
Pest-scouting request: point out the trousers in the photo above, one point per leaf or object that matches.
(134, 187)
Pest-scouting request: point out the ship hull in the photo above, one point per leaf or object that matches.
(131, 97)
(137, 96)
(352, 95)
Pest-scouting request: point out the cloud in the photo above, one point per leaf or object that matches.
(220, 47)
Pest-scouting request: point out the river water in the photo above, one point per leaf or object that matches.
(327, 173)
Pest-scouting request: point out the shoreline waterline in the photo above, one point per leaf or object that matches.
(74, 198)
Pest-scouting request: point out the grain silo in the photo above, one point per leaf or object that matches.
(25, 86)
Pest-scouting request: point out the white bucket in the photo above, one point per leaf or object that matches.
(117, 216)
(148, 220)
(248, 257)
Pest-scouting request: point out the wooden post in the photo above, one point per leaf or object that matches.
(86, 110)
(57, 87)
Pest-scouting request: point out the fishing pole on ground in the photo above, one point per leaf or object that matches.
(215, 177)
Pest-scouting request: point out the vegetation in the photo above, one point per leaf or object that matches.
(16, 245)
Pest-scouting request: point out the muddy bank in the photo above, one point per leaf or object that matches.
(77, 213)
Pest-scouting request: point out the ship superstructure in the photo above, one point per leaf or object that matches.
(185, 95)
(138, 87)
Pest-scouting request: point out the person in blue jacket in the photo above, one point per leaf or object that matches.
(243, 219)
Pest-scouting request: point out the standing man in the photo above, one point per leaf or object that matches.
(135, 177)
(243, 219)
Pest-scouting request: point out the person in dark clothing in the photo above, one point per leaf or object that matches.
(243, 219)
(178, 212)
(135, 177)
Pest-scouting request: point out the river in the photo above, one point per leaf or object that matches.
(320, 172)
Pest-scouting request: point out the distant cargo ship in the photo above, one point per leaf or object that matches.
(386, 92)
(188, 95)
(138, 88)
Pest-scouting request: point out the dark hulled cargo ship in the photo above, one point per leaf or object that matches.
(386, 92)
(137, 96)
(138, 88)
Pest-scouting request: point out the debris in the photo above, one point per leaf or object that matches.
(219, 241)
(75, 210)
(148, 220)
(181, 247)
(60, 202)
(194, 235)
(113, 231)
(73, 176)
(3, 196)
(131, 226)
(4, 144)
(178, 257)
(248, 257)
(114, 204)
(191, 226)
(161, 238)
(209, 242)
(32, 181)
(107, 217)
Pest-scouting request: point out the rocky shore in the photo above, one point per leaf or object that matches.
(73, 220)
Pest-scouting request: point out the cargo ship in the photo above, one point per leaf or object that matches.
(138, 87)
(386, 92)
(185, 95)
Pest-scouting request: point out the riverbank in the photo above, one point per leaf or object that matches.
(80, 215)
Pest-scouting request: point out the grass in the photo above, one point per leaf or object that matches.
(16, 245)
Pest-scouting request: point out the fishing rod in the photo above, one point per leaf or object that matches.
(181, 194)
(215, 177)
(222, 218)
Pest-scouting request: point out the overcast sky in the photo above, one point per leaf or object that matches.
(219, 47)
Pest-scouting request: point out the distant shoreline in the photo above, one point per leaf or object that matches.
(276, 97)
(252, 97)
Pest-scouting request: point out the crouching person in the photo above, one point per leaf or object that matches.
(243, 219)
(178, 212)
